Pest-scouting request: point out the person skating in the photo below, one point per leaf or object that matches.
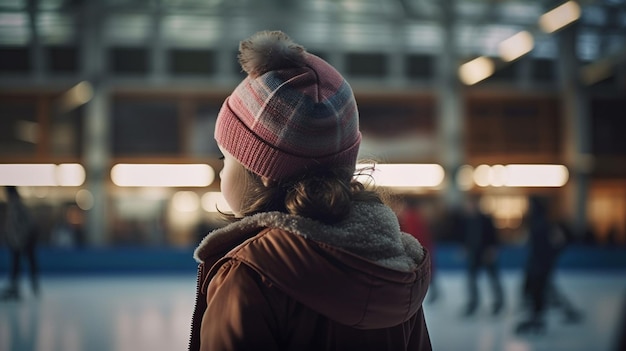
(21, 239)
(481, 249)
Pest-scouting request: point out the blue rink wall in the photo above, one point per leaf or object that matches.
(119, 260)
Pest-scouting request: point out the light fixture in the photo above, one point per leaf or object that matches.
(76, 96)
(559, 17)
(405, 175)
(536, 175)
(516, 46)
(43, 174)
(476, 70)
(521, 175)
(162, 175)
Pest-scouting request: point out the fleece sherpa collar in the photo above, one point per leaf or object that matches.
(371, 231)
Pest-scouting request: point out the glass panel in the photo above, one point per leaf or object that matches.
(66, 131)
(545, 47)
(63, 59)
(423, 36)
(594, 15)
(192, 62)
(420, 66)
(365, 35)
(544, 70)
(14, 28)
(128, 28)
(14, 60)
(366, 64)
(202, 141)
(128, 61)
(142, 128)
(13, 4)
(52, 4)
(183, 30)
(19, 132)
(588, 45)
(55, 28)
(608, 125)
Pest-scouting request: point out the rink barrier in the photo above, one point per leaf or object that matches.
(120, 260)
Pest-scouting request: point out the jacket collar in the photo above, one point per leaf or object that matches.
(363, 272)
(371, 231)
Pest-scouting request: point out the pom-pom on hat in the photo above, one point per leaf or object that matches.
(293, 112)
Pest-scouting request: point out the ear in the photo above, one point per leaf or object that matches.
(267, 182)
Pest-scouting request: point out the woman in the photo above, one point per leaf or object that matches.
(313, 260)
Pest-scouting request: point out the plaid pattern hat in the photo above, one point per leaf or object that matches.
(293, 112)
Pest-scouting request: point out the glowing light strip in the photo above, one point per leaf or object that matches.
(162, 175)
(78, 95)
(559, 17)
(405, 175)
(45, 174)
(516, 46)
(476, 70)
(70, 174)
(536, 175)
(521, 175)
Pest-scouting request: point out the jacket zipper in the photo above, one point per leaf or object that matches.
(195, 309)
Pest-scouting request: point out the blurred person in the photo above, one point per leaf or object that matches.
(412, 221)
(21, 238)
(69, 232)
(481, 245)
(313, 259)
(546, 241)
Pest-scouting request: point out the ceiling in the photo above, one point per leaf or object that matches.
(407, 26)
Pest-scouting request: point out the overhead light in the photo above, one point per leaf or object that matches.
(70, 174)
(516, 46)
(597, 71)
(521, 175)
(476, 70)
(481, 175)
(405, 175)
(44, 174)
(536, 175)
(162, 175)
(559, 17)
(497, 175)
(76, 96)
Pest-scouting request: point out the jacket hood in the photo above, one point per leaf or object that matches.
(363, 272)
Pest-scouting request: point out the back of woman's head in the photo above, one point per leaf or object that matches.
(325, 195)
(293, 124)
(293, 112)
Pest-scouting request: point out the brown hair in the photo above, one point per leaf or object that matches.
(325, 195)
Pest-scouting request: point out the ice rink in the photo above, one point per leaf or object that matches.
(152, 312)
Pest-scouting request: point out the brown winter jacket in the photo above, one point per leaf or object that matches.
(275, 281)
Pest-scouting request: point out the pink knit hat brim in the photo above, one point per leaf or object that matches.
(265, 159)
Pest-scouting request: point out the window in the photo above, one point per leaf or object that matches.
(128, 60)
(192, 62)
(367, 64)
(144, 128)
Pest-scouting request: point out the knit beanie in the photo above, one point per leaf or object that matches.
(292, 113)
